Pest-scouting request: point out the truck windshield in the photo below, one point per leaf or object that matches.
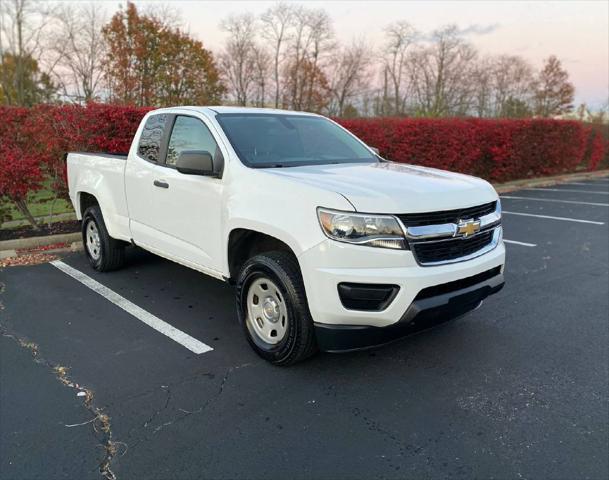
(264, 140)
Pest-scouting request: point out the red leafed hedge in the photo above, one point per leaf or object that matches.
(498, 150)
(20, 170)
(33, 141)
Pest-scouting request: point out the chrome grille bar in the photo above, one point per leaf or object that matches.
(448, 238)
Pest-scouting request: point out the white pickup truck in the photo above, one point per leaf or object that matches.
(330, 246)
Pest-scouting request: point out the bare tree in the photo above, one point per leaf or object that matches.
(238, 62)
(512, 80)
(298, 49)
(442, 73)
(291, 59)
(482, 79)
(400, 37)
(310, 40)
(349, 75)
(276, 22)
(262, 63)
(553, 91)
(81, 48)
(321, 32)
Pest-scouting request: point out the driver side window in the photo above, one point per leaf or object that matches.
(189, 133)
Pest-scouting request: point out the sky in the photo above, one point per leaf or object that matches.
(575, 31)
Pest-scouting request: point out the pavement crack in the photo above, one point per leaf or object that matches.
(404, 449)
(224, 380)
(188, 413)
(100, 421)
(2, 288)
(157, 412)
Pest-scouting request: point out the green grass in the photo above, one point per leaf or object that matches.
(40, 203)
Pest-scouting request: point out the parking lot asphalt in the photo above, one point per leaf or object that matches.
(515, 389)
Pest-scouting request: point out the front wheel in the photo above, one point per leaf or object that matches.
(273, 309)
(104, 252)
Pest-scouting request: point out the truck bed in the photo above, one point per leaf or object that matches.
(103, 176)
(117, 156)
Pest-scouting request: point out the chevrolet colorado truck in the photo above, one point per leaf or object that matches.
(330, 246)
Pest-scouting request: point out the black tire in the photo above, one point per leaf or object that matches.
(299, 341)
(111, 252)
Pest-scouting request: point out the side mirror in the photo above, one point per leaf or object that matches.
(375, 150)
(197, 162)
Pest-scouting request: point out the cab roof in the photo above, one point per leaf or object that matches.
(224, 109)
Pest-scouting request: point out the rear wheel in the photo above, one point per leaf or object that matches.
(104, 252)
(273, 309)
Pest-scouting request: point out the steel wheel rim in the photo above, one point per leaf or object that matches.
(267, 314)
(93, 241)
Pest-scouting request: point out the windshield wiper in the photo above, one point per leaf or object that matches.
(269, 165)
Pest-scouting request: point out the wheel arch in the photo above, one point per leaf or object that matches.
(86, 200)
(117, 225)
(244, 243)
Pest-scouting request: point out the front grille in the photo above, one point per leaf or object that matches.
(451, 249)
(446, 216)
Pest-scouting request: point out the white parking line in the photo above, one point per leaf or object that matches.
(524, 244)
(509, 197)
(566, 190)
(566, 219)
(148, 318)
(584, 184)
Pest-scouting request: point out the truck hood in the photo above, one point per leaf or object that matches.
(393, 187)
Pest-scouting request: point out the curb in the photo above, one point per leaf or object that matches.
(7, 254)
(547, 181)
(74, 247)
(34, 242)
(55, 218)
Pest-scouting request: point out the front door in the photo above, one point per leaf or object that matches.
(188, 207)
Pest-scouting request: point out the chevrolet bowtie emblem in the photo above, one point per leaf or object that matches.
(468, 227)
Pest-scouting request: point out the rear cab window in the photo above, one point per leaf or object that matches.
(151, 139)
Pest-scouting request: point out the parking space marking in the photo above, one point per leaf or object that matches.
(584, 184)
(566, 219)
(148, 318)
(565, 190)
(509, 197)
(524, 244)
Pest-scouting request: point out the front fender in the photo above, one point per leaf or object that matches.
(279, 207)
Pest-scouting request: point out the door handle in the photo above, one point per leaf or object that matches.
(161, 184)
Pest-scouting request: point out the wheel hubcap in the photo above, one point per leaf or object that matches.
(270, 308)
(93, 241)
(266, 311)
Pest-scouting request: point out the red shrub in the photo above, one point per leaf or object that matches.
(598, 146)
(19, 171)
(498, 150)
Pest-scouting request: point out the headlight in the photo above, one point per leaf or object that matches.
(372, 230)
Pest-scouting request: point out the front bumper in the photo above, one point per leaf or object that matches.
(330, 263)
(421, 314)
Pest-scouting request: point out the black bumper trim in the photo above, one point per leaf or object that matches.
(366, 297)
(422, 314)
